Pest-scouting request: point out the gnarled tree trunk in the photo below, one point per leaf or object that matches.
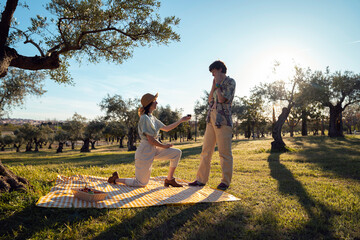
(85, 147)
(304, 130)
(28, 147)
(93, 144)
(121, 142)
(131, 139)
(60, 147)
(335, 124)
(278, 144)
(11, 182)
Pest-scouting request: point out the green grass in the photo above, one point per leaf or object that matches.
(311, 192)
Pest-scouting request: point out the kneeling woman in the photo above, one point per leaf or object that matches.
(150, 148)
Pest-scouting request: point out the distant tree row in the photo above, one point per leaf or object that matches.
(322, 100)
(119, 122)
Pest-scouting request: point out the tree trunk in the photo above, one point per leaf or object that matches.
(93, 144)
(316, 129)
(291, 131)
(36, 147)
(131, 140)
(28, 147)
(304, 130)
(11, 182)
(17, 147)
(248, 131)
(121, 142)
(278, 144)
(85, 147)
(322, 127)
(335, 124)
(349, 128)
(253, 130)
(60, 148)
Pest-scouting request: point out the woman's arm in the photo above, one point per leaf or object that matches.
(156, 143)
(175, 124)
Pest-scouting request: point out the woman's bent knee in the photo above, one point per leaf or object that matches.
(175, 160)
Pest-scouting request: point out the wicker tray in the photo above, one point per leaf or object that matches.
(99, 196)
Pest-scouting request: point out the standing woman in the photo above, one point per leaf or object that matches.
(150, 148)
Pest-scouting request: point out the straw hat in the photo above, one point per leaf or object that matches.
(148, 98)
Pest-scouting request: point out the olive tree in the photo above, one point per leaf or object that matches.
(92, 133)
(125, 112)
(87, 30)
(335, 91)
(75, 128)
(288, 93)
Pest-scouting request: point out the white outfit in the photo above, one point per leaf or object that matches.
(146, 152)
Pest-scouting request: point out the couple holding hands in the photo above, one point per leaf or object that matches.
(218, 131)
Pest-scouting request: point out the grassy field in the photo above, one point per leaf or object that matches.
(312, 192)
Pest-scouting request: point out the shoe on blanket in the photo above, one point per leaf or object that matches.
(113, 178)
(222, 186)
(196, 183)
(171, 182)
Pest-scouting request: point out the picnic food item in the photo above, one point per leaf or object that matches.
(89, 190)
(88, 194)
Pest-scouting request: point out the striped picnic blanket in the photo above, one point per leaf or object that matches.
(122, 196)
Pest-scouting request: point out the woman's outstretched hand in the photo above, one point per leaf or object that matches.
(186, 118)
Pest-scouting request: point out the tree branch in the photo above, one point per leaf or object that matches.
(105, 30)
(53, 49)
(5, 23)
(33, 63)
(28, 40)
(349, 103)
(36, 45)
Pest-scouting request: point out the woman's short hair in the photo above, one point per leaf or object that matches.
(218, 65)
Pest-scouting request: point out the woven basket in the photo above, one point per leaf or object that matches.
(89, 197)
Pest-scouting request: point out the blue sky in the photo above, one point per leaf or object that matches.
(247, 35)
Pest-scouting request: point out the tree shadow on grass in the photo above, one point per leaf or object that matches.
(168, 229)
(339, 155)
(318, 226)
(180, 216)
(189, 152)
(32, 219)
(135, 227)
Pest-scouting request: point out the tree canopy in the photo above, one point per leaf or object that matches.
(92, 30)
(16, 85)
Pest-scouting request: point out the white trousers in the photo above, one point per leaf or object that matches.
(145, 154)
(222, 137)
